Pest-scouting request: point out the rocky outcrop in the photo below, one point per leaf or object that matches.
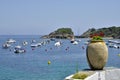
(108, 32)
(61, 33)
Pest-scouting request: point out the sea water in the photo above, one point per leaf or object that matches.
(33, 64)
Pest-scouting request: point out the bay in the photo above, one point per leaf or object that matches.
(33, 64)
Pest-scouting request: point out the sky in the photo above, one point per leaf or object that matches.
(41, 17)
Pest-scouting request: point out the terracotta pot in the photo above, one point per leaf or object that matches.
(97, 54)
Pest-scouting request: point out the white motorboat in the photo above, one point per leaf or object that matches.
(6, 45)
(33, 41)
(16, 47)
(39, 44)
(86, 43)
(114, 41)
(116, 46)
(34, 45)
(112, 45)
(75, 43)
(25, 43)
(9, 41)
(19, 49)
(72, 40)
(57, 44)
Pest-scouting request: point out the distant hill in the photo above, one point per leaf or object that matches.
(108, 32)
(61, 33)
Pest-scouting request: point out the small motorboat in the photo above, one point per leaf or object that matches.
(116, 46)
(34, 45)
(86, 43)
(75, 43)
(72, 41)
(9, 41)
(33, 41)
(57, 44)
(39, 44)
(19, 49)
(6, 45)
(25, 43)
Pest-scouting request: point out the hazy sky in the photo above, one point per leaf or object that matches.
(40, 17)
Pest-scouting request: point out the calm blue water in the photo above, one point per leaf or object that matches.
(33, 65)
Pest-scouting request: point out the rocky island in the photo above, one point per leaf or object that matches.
(67, 33)
(113, 32)
(61, 33)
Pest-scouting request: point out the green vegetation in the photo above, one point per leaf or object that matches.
(108, 32)
(79, 75)
(61, 33)
(97, 38)
(64, 31)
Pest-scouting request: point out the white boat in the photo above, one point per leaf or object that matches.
(33, 41)
(114, 41)
(86, 43)
(116, 46)
(39, 44)
(57, 44)
(75, 43)
(19, 49)
(16, 47)
(6, 45)
(9, 41)
(25, 43)
(34, 45)
(72, 40)
(112, 45)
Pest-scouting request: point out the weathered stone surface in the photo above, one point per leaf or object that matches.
(108, 73)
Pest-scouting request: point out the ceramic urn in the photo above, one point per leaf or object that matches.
(97, 54)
